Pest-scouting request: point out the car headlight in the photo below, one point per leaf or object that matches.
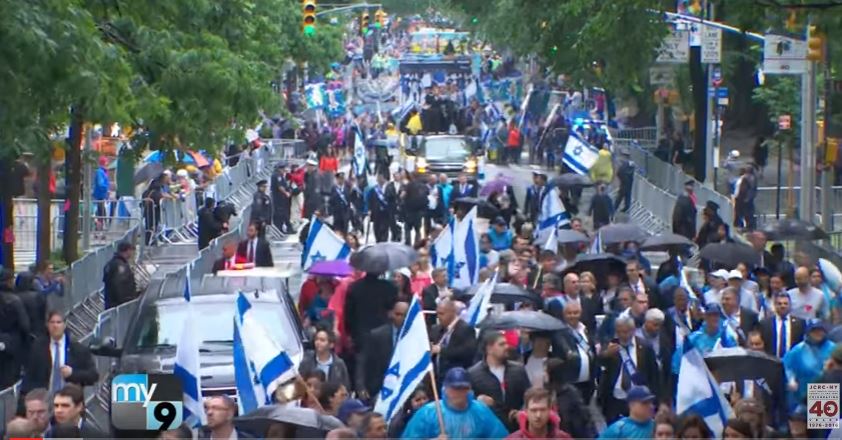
(421, 164)
(471, 165)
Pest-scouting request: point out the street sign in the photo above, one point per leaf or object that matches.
(784, 55)
(718, 92)
(711, 45)
(695, 37)
(675, 49)
(661, 75)
(716, 76)
(784, 122)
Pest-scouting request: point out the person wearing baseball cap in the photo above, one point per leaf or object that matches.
(464, 416)
(717, 280)
(803, 364)
(640, 422)
(351, 413)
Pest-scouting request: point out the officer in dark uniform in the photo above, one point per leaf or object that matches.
(393, 198)
(535, 196)
(381, 210)
(282, 192)
(339, 205)
(261, 206)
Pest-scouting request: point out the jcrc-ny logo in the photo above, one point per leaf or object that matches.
(148, 402)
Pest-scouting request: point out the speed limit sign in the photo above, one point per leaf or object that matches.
(823, 406)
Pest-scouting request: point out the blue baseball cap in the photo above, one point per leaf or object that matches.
(713, 309)
(815, 324)
(457, 378)
(349, 408)
(640, 394)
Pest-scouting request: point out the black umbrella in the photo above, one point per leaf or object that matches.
(564, 236)
(730, 254)
(484, 208)
(740, 366)
(506, 293)
(260, 420)
(621, 232)
(793, 229)
(598, 264)
(383, 257)
(148, 172)
(666, 241)
(571, 181)
(523, 319)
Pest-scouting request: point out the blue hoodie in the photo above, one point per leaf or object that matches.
(475, 421)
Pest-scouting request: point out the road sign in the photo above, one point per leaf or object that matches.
(661, 75)
(695, 38)
(784, 122)
(716, 76)
(675, 49)
(711, 45)
(718, 92)
(784, 55)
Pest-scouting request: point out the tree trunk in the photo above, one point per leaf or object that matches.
(73, 187)
(7, 249)
(698, 79)
(44, 196)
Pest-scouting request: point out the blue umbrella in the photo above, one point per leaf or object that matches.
(155, 156)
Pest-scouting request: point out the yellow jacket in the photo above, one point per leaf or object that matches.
(414, 124)
(603, 169)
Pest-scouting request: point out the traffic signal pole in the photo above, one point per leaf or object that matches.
(807, 199)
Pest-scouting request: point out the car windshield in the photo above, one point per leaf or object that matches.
(161, 326)
(447, 149)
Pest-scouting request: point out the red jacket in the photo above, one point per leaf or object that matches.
(554, 432)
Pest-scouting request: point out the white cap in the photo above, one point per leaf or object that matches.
(405, 272)
(182, 173)
(721, 273)
(735, 274)
(734, 154)
(312, 161)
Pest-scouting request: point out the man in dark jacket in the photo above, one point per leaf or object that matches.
(453, 341)
(340, 206)
(500, 379)
(261, 205)
(377, 352)
(14, 330)
(56, 360)
(255, 249)
(415, 204)
(312, 195)
(367, 306)
(602, 208)
(209, 226)
(282, 192)
(710, 224)
(684, 212)
(535, 196)
(378, 204)
(781, 331)
(118, 277)
(625, 174)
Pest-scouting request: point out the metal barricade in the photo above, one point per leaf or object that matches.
(647, 137)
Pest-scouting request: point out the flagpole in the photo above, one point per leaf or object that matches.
(439, 413)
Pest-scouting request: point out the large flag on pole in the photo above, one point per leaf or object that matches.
(410, 362)
(260, 363)
(579, 155)
(442, 249)
(552, 214)
(358, 161)
(187, 364)
(466, 252)
(698, 391)
(480, 302)
(322, 244)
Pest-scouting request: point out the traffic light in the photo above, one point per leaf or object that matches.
(792, 21)
(365, 22)
(379, 18)
(815, 44)
(309, 9)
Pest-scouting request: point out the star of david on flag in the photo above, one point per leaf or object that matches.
(579, 155)
(323, 244)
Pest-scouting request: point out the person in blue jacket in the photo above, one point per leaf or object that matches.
(500, 234)
(641, 420)
(464, 417)
(705, 339)
(805, 362)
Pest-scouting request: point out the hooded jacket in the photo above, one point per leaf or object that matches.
(553, 432)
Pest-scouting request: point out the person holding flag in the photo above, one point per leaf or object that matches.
(188, 366)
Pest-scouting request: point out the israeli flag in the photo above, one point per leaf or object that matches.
(685, 283)
(466, 252)
(442, 249)
(728, 336)
(315, 95)
(480, 303)
(409, 364)
(336, 103)
(187, 365)
(831, 275)
(552, 214)
(359, 158)
(698, 392)
(322, 244)
(579, 155)
(552, 241)
(596, 246)
(260, 363)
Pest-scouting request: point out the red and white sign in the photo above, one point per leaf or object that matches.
(823, 406)
(784, 122)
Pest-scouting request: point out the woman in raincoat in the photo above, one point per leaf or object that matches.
(804, 363)
(603, 169)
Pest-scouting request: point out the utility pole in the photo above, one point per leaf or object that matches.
(807, 198)
(711, 150)
(87, 208)
(828, 170)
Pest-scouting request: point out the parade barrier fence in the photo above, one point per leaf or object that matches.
(766, 206)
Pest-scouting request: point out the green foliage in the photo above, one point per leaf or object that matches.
(781, 96)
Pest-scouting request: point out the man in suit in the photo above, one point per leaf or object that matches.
(69, 411)
(393, 197)
(684, 212)
(501, 380)
(453, 341)
(781, 331)
(463, 188)
(535, 196)
(381, 209)
(626, 361)
(339, 206)
(656, 335)
(575, 345)
(740, 319)
(571, 293)
(683, 317)
(55, 360)
(230, 260)
(209, 226)
(434, 293)
(640, 283)
(758, 242)
(220, 411)
(377, 353)
(255, 248)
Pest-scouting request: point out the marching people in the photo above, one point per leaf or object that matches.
(255, 249)
(261, 206)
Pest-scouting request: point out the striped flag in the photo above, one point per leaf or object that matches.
(596, 246)
(187, 364)
(698, 391)
(579, 155)
(478, 307)
(466, 252)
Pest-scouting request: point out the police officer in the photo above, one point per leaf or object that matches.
(282, 192)
(339, 205)
(261, 206)
(534, 196)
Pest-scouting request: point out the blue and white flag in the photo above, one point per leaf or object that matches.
(336, 103)
(698, 392)
(260, 363)
(579, 155)
(552, 214)
(410, 362)
(480, 303)
(187, 365)
(323, 244)
(466, 252)
(359, 159)
(552, 241)
(685, 283)
(315, 96)
(442, 249)
(728, 336)
(596, 246)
